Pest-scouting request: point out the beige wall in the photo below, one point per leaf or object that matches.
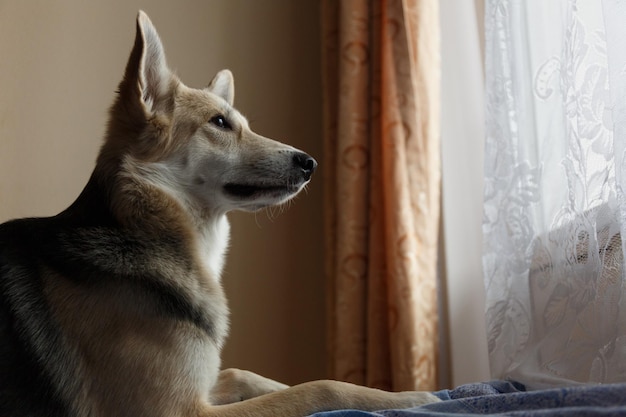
(60, 64)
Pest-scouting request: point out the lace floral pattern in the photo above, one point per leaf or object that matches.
(553, 254)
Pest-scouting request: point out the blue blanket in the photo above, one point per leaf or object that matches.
(503, 398)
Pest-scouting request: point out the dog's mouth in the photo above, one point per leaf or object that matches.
(254, 190)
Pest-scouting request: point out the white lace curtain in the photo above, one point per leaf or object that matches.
(555, 175)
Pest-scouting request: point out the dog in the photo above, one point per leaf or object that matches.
(114, 306)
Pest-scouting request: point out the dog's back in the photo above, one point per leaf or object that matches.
(39, 368)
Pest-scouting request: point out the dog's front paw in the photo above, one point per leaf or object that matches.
(234, 385)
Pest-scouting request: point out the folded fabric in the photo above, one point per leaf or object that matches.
(508, 398)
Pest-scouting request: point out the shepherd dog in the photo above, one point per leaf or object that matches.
(114, 307)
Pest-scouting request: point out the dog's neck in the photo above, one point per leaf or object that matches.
(136, 205)
(207, 230)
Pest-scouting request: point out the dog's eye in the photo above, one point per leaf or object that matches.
(221, 122)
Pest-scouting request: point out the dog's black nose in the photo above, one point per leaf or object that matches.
(306, 163)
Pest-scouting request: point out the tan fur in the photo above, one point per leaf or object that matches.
(132, 360)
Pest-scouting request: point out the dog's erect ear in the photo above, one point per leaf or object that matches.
(223, 85)
(147, 76)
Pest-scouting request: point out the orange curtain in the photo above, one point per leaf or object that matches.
(382, 184)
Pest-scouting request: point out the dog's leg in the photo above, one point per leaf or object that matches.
(234, 385)
(311, 397)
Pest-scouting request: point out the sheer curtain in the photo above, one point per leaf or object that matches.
(555, 207)
(381, 104)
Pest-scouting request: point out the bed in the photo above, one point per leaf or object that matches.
(507, 398)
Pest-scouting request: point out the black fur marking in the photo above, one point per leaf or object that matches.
(104, 256)
(173, 304)
(26, 330)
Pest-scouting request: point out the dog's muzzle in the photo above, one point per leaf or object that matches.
(305, 163)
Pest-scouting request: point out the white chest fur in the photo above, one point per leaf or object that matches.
(213, 245)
